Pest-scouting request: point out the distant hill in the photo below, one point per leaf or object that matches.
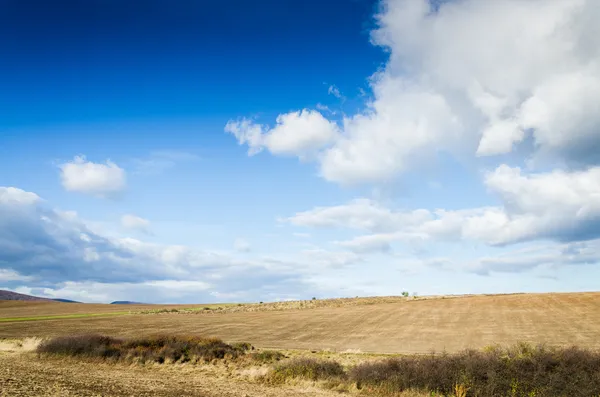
(15, 296)
(126, 303)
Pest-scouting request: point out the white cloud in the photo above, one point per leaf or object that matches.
(11, 275)
(15, 196)
(333, 90)
(133, 222)
(241, 245)
(46, 249)
(100, 180)
(549, 257)
(301, 133)
(146, 292)
(476, 77)
(362, 214)
(558, 205)
(370, 243)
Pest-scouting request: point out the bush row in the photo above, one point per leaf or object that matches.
(157, 349)
(520, 371)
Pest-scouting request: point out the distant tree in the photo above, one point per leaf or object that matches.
(314, 298)
(405, 294)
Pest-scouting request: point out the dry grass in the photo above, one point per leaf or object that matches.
(26, 375)
(19, 345)
(403, 327)
(521, 370)
(169, 366)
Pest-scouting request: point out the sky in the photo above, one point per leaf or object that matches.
(235, 151)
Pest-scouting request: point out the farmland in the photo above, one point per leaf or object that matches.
(407, 326)
(349, 331)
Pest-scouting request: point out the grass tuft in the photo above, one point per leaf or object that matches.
(267, 356)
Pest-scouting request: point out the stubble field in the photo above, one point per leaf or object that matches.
(346, 330)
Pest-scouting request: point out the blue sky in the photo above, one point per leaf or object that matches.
(269, 150)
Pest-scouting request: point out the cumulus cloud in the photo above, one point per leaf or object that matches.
(96, 179)
(145, 292)
(546, 256)
(362, 214)
(558, 205)
(42, 248)
(133, 222)
(15, 196)
(301, 133)
(371, 243)
(471, 76)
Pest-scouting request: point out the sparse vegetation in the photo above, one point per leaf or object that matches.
(267, 356)
(306, 368)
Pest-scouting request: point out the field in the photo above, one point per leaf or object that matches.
(350, 331)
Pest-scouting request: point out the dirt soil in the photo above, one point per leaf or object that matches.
(25, 374)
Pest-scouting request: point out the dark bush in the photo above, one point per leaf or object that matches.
(519, 371)
(306, 368)
(82, 345)
(157, 349)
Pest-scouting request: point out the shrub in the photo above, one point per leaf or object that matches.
(82, 345)
(157, 349)
(243, 346)
(522, 370)
(405, 294)
(267, 356)
(306, 368)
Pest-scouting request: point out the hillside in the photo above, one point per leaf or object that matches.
(405, 326)
(14, 296)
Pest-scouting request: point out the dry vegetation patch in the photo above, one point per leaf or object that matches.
(306, 368)
(283, 306)
(158, 349)
(521, 370)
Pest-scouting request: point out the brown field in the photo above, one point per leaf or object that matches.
(24, 374)
(344, 330)
(406, 326)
